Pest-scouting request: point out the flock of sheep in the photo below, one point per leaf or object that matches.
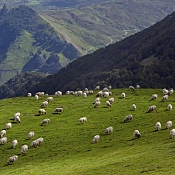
(105, 93)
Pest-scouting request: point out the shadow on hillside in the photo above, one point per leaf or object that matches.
(56, 113)
(37, 115)
(132, 139)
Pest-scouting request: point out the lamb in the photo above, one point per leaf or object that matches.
(17, 119)
(3, 140)
(158, 126)
(123, 95)
(164, 98)
(97, 103)
(12, 159)
(172, 133)
(169, 124)
(8, 126)
(137, 134)
(108, 130)
(96, 139)
(58, 110)
(49, 99)
(31, 134)
(14, 143)
(42, 111)
(151, 108)
(2, 133)
(45, 121)
(24, 149)
(133, 107)
(128, 118)
(108, 104)
(44, 104)
(83, 119)
(169, 107)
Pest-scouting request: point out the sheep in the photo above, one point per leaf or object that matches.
(108, 104)
(136, 134)
(137, 86)
(109, 87)
(99, 94)
(3, 140)
(8, 126)
(2, 133)
(42, 111)
(151, 108)
(96, 139)
(58, 110)
(169, 124)
(164, 98)
(132, 88)
(169, 107)
(111, 100)
(83, 119)
(154, 96)
(14, 143)
(105, 94)
(29, 94)
(49, 99)
(44, 104)
(36, 97)
(12, 159)
(34, 144)
(108, 130)
(128, 118)
(105, 89)
(123, 95)
(165, 91)
(97, 103)
(84, 94)
(40, 93)
(40, 140)
(17, 119)
(170, 91)
(24, 149)
(133, 107)
(58, 93)
(97, 88)
(172, 133)
(31, 134)
(158, 126)
(45, 121)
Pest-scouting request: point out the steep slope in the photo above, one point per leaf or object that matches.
(29, 43)
(146, 58)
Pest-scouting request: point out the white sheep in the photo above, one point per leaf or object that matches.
(99, 94)
(111, 100)
(14, 143)
(152, 108)
(17, 119)
(58, 110)
(134, 107)
(164, 98)
(123, 95)
(49, 99)
(172, 133)
(3, 140)
(108, 130)
(154, 96)
(12, 159)
(108, 104)
(58, 93)
(83, 119)
(169, 107)
(97, 88)
(29, 94)
(137, 86)
(40, 140)
(96, 139)
(31, 134)
(84, 94)
(169, 124)
(8, 126)
(42, 111)
(44, 104)
(34, 144)
(2, 133)
(136, 134)
(132, 88)
(45, 121)
(128, 118)
(24, 149)
(158, 126)
(36, 97)
(97, 103)
(105, 94)
(170, 91)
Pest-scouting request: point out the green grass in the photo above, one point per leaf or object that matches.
(67, 147)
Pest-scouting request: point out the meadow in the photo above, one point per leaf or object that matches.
(68, 149)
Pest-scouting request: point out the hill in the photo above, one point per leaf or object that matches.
(67, 146)
(29, 43)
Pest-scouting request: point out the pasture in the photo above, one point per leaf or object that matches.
(68, 149)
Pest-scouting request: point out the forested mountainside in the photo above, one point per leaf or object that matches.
(146, 58)
(29, 43)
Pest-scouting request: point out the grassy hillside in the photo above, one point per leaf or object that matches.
(67, 147)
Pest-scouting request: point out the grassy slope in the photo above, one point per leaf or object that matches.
(67, 147)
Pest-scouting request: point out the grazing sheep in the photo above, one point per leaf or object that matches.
(164, 98)
(17, 119)
(44, 104)
(97, 88)
(154, 96)
(45, 121)
(108, 130)
(165, 91)
(111, 100)
(169, 107)
(132, 88)
(97, 103)
(109, 87)
(36, 97)
(128, 118)
(40, 140)
(99, 94)
(172, 133)
(31, 134)
(2, 133)
(170, 91)
(40, 93)
(83, 119)
(105, 89)
(151, 108)
(158, 126)
(133, 107)
(58, 93)
(58, 110)
(136, 134)
(84, 94)
(42, 111)
(169, 124)
(3, 140)
(24, 149)
(137, 86)
(105, 94)
(108, 104)
(49, 99)
(14, 143)
(96, 139)
(123, 95)
(34, 144)
(97, 99)
(8, 126)
(29, 94)
(12, 159)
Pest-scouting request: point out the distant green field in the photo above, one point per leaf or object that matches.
(68, 149)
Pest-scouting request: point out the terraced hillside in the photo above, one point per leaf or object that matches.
(68, 148)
